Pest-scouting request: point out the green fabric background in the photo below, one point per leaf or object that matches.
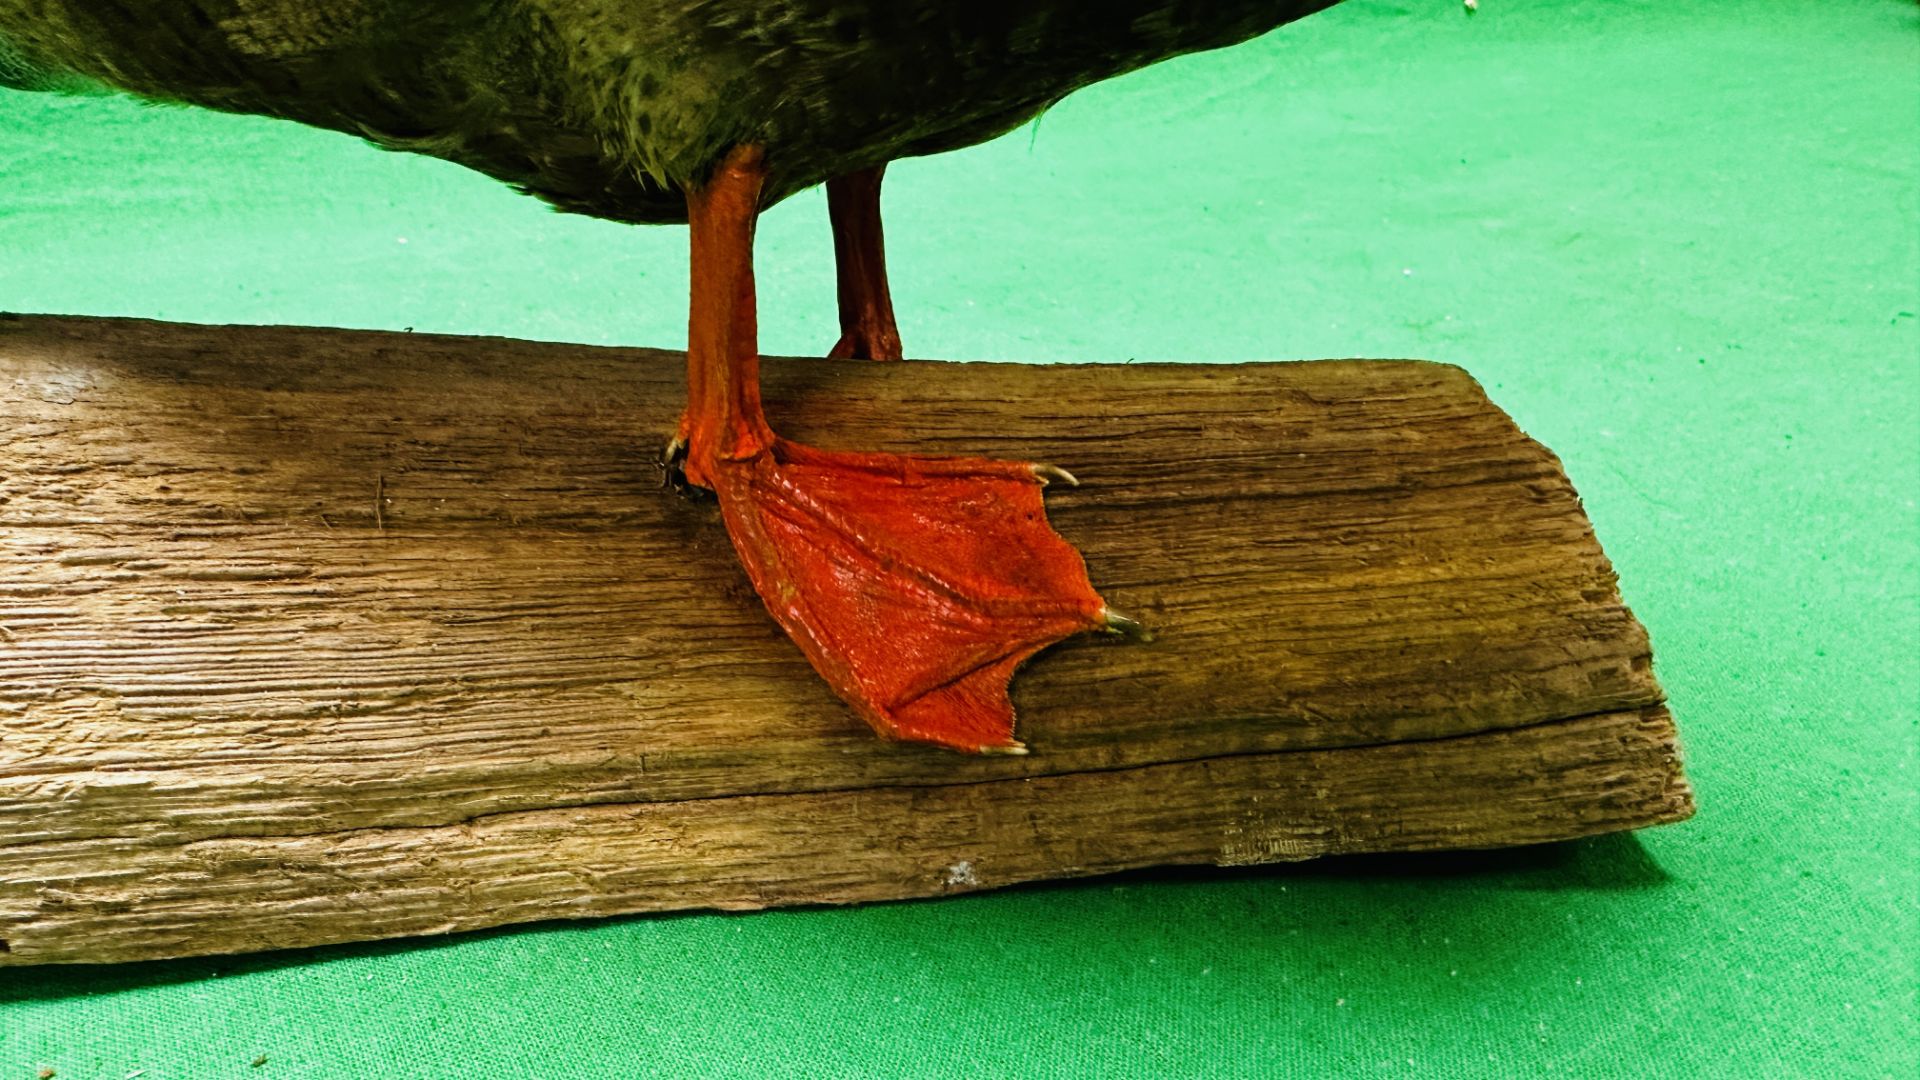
(1680, 242)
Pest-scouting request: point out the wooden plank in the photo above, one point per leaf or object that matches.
(91, 901)
(297, 588)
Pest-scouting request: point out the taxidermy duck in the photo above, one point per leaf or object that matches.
(915, 585)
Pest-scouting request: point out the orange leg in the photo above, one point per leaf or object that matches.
(915, 585)
(867, 331)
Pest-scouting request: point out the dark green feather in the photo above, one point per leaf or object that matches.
(609, 107)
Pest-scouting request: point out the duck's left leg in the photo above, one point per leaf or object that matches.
(915, 585)
(867, 330)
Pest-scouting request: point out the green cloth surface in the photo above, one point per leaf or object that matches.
(1679, 242)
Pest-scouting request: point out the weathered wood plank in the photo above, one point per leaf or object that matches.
(285, 583)
(88, 902)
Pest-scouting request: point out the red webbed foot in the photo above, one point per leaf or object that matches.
(915, 585)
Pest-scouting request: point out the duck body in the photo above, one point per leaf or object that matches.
(614, 108)
(915, 585)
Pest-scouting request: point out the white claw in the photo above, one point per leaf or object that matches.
(1046, 473)
(1121, 624)
(1015, 750)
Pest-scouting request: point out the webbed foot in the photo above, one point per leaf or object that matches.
(915, 585)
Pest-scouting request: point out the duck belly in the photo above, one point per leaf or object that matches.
(611, 107)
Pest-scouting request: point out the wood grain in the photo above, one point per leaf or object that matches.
(301, 625)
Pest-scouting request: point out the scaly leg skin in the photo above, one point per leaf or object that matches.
(867, 330)
(915, 585)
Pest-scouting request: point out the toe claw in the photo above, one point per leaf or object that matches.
(1117, 623)
(673, 472)
(1013, 749)
(1048, 473)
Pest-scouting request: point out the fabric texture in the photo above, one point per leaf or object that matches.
(1680, 243)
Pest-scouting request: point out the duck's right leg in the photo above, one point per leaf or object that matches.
(867, 330)
(861, 275)
(915, 585)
